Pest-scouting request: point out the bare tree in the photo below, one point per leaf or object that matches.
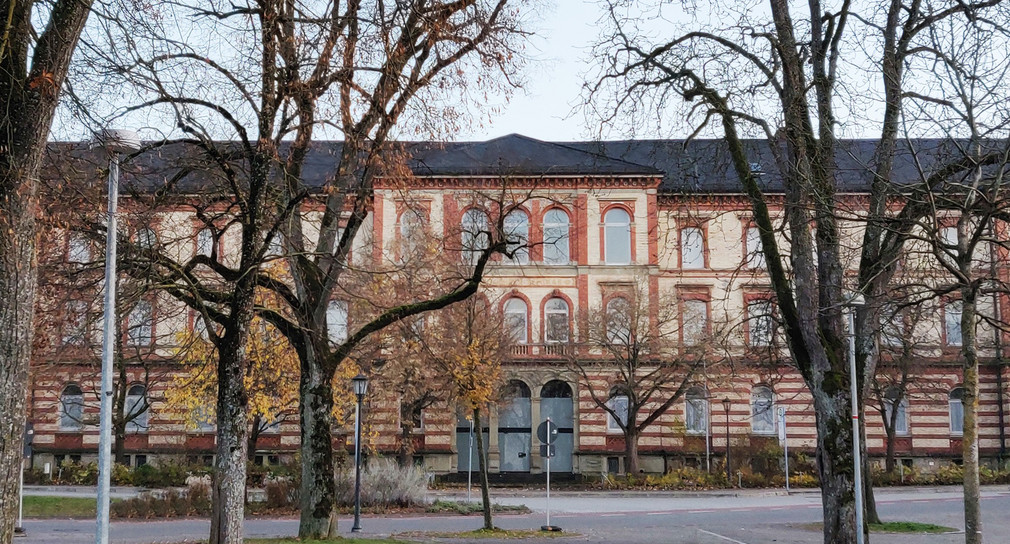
(36, 45)
(650, 349)
(784, 77)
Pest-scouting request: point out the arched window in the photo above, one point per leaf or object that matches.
(618, 321)
(137, 409)
(956, 402)
(617, 237)
(412, 224)
(140, 324)
(891, 396)
(146, 239)
(336, 321)
(696, 411)
(556, 329)
(762, 404)
(517, 320)
(517, 389)
(556, 389)
(474, 234)
(72, 408)
(556, 242)
(205, 242)
(517, 231)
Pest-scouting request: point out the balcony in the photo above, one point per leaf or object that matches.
(553, 350)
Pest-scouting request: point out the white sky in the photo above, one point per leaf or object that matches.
(546, 108)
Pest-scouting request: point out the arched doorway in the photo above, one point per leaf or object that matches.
(514, 428)
(556, 403)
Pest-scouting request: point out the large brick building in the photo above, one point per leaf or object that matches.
(654, 220)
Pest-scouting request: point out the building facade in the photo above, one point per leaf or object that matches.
(653, 225)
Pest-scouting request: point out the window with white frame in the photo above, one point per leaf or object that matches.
(762, 404)
(618, 404)
(617, 237)
(137, 409)
(694, 321)
(140, 324)
(956, 410)
(759, 323)
(75, 323)
(78, 248)
(556, 243)
(892, 325)
(755, 250)
(412, 225)
(517, 320)
(275, 246)
(696, 411)
(618, 321)
(475, 235)
(952, 322)
(517, 232)
(892, 397)
(556, 326)
(205, 242)
(336, 321)
(72, 408)
(692, 248)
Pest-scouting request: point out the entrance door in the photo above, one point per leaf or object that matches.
(556, 403)
(514, 428)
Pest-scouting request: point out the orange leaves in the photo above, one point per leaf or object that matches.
(44, 84)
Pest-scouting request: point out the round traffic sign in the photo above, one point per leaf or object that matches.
(547, 432)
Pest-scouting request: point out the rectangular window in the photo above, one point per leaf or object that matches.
(952, 322)
(901, 423)
(956, 417)
(619, 404)
(892, 326)
(141, 324)
(78, 250)
(692, 248)
(754, 248)
(694, 321)
(75, 325)
(759, 323)
(336, 321)
(696, 416)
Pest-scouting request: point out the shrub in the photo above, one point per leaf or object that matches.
(121, 475)
(384, 483)
(281, 493)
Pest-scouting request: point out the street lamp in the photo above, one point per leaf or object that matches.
(115, 143)
(360, 383)
(726, 403)
(855, 302)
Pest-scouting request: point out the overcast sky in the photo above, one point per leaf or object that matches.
(544, 108)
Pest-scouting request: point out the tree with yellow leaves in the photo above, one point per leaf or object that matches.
(466, 344)
(271, 380)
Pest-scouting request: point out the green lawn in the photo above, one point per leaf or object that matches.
(908, 527)
(59, 507)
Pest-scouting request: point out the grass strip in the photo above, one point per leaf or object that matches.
(909, 527)
(471, 508)
(59, 507)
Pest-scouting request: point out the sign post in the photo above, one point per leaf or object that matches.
(784, 441)
(547, 433)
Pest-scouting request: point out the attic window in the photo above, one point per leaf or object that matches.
(755, 168)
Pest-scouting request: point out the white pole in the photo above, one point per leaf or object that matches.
(108, 345)
(469, 464)
(857, 469)
(785, 443)
(708, 434)
(548, 475)
(21, 499)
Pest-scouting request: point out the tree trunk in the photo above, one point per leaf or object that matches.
(254, 437)
(485, 485)
(835, 467)
(406, 453)
(631, 451)
(318, 490)
(969, 438)
(870, 501)
(228, 494)
(119, 443)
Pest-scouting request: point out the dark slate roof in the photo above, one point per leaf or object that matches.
(700, 166)
(704, 165)
(521, 156)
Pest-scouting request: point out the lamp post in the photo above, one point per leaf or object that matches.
(726, 403)
(115, 143)
(360, 383)
(855, 302)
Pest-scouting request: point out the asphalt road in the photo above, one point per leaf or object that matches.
(676, 518)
